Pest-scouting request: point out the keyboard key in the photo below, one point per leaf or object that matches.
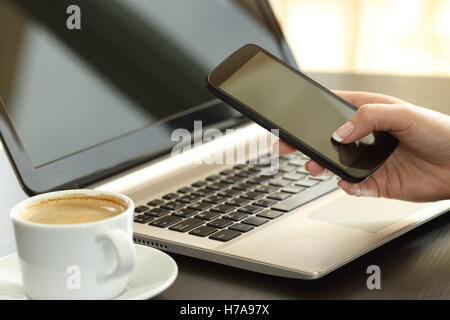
(294, 176)
(225, 235)
(269, 214)
(261, 166)
(199, 184)
(173, 205)
(243, 186)
(185, 213)
(272, 174)
(302, 170)
(258, 180)
(306, 183)
(140, 209)
(255, 168)
(223, 208)
(235, 216)
(229, 193)
(217, 186)
(200, 206)
(155, 203)
(264, 203)
(203, 231)
(266, 189)
(321, 178)
(237, 202)
(165, 221)
(250, 209)
(187, 225)
(220, 223)
(215, 199)
(208, 215)
(286, 168)
(304, 157)
(306, 196)
(170, 196)
(290, 156)
(239, 167)
(255, 221)
(280, 183)
(185, 190)
(252, 195)
(203, 192)
(279, 196)
(298, 162)
(190, 198)
(143, 218)
(157, 212)
(213, 178)
(231, 180)
(292, 189)
(241, 227)
(283, 158)
(246, 173)
(226, 172)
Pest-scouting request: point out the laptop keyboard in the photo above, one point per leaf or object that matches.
(237, 200)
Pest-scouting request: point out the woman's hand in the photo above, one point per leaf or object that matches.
(418, 169)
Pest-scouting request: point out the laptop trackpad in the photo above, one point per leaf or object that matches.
(368, 214)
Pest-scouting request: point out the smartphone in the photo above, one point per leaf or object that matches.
(275, 95)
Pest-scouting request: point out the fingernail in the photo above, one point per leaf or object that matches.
(355, 189)
(344, 131)
(351, 188)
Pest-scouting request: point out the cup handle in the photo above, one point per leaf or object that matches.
(125, 253)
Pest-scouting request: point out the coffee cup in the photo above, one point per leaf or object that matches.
(75, 244)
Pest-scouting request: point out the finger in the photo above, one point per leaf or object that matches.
(282, 147)
(367, 188)
(315, 169)
(359, 98)
(375, 117)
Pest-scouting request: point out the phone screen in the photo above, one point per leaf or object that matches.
(303, 110)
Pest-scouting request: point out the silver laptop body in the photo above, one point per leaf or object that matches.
(307, 242)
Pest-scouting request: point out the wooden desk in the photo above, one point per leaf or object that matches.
(413, 266)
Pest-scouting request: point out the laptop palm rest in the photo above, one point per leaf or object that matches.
(374, 215)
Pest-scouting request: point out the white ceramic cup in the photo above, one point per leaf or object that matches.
(90, 260)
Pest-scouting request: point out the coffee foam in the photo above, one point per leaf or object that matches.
(73, 209)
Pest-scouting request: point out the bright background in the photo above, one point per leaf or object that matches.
(398, 37)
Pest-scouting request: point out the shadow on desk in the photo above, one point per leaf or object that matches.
(414, 266)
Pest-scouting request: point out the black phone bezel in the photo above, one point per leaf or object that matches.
(232, 63)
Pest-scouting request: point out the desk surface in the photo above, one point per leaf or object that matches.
(413, 266)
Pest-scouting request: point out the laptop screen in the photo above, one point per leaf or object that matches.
(132, 64)
(93, 89)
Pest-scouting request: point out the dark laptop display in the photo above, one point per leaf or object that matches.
(79, 105)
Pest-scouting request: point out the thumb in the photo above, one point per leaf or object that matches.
(367, 188)
(392, 118)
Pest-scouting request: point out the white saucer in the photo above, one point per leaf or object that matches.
(155, 271)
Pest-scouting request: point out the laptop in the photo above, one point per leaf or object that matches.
(106, 105)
